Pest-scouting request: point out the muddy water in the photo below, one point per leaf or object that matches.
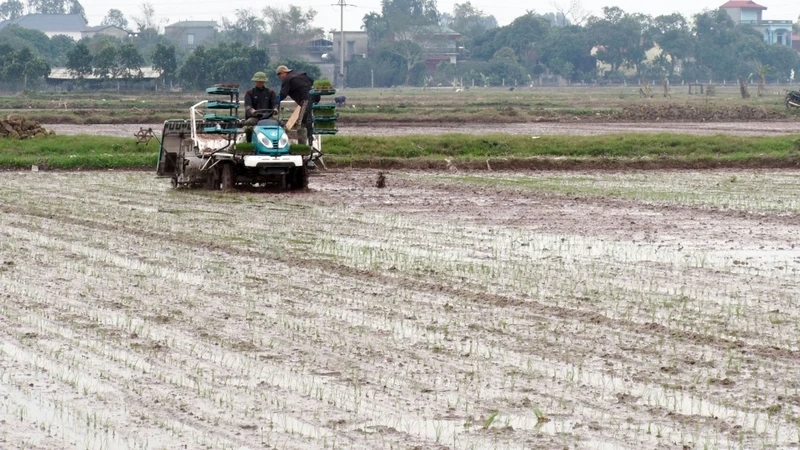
(447, 310)
(533, 129)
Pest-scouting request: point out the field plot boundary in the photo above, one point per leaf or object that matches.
(450, 152)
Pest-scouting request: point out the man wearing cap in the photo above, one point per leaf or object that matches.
(257, 98)
(297, 86)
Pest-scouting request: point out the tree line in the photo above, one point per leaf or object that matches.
(707, 46)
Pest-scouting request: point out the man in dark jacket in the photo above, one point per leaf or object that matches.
(297, 86)
(258, 98)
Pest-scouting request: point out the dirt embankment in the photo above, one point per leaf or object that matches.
(696, 113)
(15, 127)
(448, 114)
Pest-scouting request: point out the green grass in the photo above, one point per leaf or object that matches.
(77, 152)
(606, 146)
(467, 151)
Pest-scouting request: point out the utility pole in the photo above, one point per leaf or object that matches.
(341, 4)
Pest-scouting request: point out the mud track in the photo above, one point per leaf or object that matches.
(639, 310)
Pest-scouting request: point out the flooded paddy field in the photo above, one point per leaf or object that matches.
(640, 310)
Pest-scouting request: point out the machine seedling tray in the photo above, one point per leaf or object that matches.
(317, 118)
(215, 130)
(221, 105)
(219, 117)
(222, 91)
(333, 130)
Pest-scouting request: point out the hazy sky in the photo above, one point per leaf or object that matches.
(328, 16)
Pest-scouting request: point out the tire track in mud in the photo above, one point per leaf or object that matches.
(108, 314)
(433, 298)
(112, 318)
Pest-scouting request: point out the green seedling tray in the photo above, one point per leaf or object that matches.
(222, 91)
(317, 118)
(323, 106)
(215, 130)
(221, 105)
(219, 117)
(314, 91)
(318, 131)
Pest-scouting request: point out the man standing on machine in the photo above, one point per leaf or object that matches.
(297, 86)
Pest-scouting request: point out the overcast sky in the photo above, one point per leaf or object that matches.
(171, 11)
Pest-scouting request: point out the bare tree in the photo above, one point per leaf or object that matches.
(147, 19)
(573, 11)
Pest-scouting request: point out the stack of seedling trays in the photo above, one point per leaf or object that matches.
(323, 115)
(222, 123)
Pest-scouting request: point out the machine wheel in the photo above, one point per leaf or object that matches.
(174, 182)
(300, 178)
(283, 181)
(228, 179)
(212, 180)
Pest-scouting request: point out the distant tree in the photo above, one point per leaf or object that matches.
(504, 68)
(522, 35)
(100, 41)
(623, 39)
(471, 22)
(557, 19)
(34, 39)
(408, 18)
(24, 67)
(505, 53)
(46, 6)
(106, 63)
(783, 59)
(674, 35)
(164, 61)
(390, 68)
(147, 26)
(60, 46)
(79, 61)
(567, 52)
(715, 34)
(11, 9)
(114, 17)
(246, 28)
(377, 28)
(291, 29)
(74, 7)
(573, 12)
(56, 7)
(224, 62)
(130, 61)
(409, 51)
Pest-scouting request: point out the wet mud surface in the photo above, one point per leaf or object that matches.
(754, 128)
(445, 310)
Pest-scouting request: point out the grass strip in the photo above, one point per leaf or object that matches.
(605, 146)
(78, 152)
(466, 151)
